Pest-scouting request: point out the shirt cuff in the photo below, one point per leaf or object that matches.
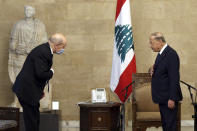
(52, 70)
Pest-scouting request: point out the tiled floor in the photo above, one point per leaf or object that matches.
(129, 129)
(159, 129)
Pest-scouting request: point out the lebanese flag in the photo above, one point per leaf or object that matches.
(123, 64)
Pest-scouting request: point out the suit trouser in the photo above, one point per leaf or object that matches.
(168, 117)
(31, 116)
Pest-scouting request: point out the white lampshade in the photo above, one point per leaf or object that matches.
(55, 105)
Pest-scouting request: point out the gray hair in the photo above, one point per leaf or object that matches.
(56, 40)
(158, 36)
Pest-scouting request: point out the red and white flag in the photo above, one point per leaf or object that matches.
(123, 64)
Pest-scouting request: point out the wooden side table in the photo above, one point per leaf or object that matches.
(99, 116)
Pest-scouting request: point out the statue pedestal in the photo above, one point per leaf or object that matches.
(49, 121)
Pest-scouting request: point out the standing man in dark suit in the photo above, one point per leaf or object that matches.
(166, 89)
(34, 75)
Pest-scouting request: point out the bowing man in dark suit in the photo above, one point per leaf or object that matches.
(34, 75)
(166, 89)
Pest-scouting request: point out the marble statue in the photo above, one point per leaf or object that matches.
(25, 35)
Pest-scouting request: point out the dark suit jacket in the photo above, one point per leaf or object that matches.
(166, 77)
(35, 73)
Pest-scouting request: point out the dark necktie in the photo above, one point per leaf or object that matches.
(157, 59)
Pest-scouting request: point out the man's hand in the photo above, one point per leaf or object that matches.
(151, 70)
(171, 104)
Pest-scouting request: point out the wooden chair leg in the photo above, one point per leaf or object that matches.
(134, 128)
(143, 128)
(138, 129)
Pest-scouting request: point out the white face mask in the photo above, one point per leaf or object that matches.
(60, 52)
